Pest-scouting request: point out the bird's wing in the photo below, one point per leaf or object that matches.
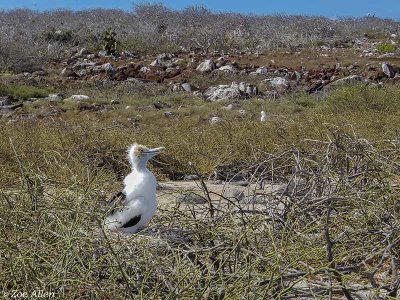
(132, 222)
(117, 201)
(128, 217)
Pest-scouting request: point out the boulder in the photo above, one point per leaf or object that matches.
(353, 79)
(278, 83)
(54, 97)
(82, 53)
(228, 69)
(206, 66)
(144, 69)
(187, 87)
(83, 65)
(67, 72)
(262, 71)
(160, 105)
(7, 100)
(389, 70)
(231, 106)
(156, 62)
(223, 92)
(177, 87)
(78, 97)
(172, 72)
(229, 92)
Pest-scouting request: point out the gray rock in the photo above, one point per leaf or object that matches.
(83, 66)
(82, 52)
(228, 92)
(78, 97)
(187, 87)
(156, 62)
(144, 69)
(54, 97)
(240, 183)
(228, 69)
(198, 94)
(108, 68)
(385, 55)
(169, 114)
(215, 120)
(191, 198)
(298, 75)
(233, 193)
(231, 106)
(262, 71)
(190, 177)
(67, 72)
(165, 56)
(353, 79)
(206, 66)
(161, 105)
(223, 92)
(83, 72)
(7, 108)
(134, 80)
(103, 53)
(389, 70)
(277, 83)
(4, 101)
(177, 87)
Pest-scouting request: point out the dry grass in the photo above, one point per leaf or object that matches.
(333, 229)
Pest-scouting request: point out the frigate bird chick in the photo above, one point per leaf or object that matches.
(136, 204)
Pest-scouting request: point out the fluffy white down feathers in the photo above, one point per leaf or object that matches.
(138, 201)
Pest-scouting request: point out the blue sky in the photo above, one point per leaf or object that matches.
(329, 8)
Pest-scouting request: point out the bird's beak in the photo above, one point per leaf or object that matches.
(153, 152)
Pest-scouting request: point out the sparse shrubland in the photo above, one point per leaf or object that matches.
(24, 91)
(27, 37)
(305, 205)
(333, 228)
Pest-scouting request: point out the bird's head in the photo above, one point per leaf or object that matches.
(139, 155)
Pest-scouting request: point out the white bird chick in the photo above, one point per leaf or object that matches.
(137, 201)
(263, 116)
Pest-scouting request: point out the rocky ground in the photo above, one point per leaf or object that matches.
(214, 76)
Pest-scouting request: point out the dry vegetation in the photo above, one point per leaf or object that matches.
(28, 38)
(330, 231)
(320, 216)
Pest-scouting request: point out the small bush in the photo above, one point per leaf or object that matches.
(24, 91)
(386, 48)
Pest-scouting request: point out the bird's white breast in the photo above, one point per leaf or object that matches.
(140, 184)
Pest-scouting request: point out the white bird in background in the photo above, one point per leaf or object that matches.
(137, 201)
(263, 116)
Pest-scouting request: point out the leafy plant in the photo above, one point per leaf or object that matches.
(110, 42)
(386, 48)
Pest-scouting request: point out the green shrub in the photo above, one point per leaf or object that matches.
(386, 48)
(24, 91)
(110, 41)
